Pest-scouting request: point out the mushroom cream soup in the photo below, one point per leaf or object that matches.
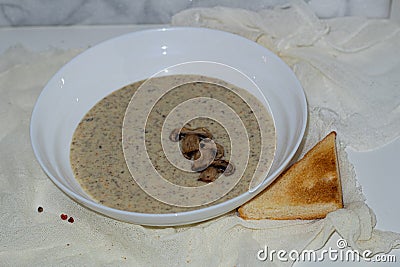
(99, 163)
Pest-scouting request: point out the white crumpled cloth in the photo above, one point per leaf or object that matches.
(350, 76)
(348, 67)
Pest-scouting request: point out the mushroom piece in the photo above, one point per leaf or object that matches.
(196, 155)
(220, 151)
(197, 145)
(224, 166)
(189, 145)
(192, 155)
(208, 150)
(216, 167)
(201, 132)
(209, 175)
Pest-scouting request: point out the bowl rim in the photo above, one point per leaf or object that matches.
(97, 207)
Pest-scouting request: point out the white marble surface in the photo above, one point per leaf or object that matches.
(111, 12)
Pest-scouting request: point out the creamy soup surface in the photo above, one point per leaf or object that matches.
(97, 156)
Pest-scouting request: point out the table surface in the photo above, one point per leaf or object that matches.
(376, 170)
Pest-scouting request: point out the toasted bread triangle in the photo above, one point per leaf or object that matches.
(309, 189)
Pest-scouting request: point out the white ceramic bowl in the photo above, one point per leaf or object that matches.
(110, 65)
